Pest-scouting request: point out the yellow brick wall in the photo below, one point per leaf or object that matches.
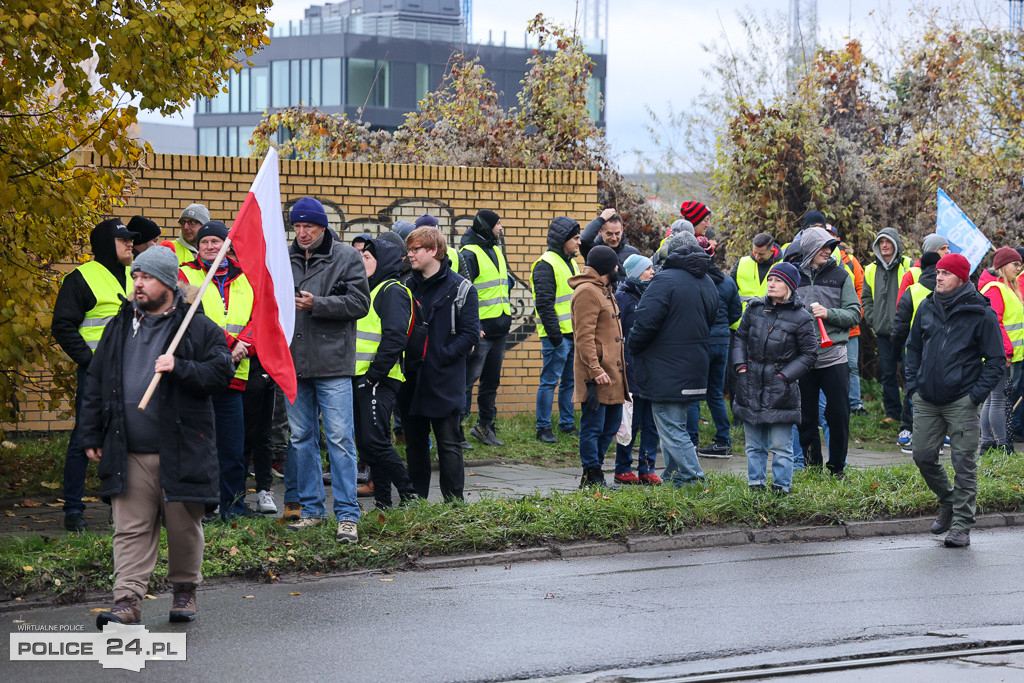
(369, 198)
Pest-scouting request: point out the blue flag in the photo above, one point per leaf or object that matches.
(964, 238)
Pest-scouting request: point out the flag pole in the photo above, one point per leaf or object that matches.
(188, 318)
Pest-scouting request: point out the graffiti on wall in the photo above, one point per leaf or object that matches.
(453, 225)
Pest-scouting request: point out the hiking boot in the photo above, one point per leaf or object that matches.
(943, 521)
(486, 434)
(757, 487)
(716, 450)
(627, 478)
(594, 476)
(183, 605)
(779, 491)
(650, 479)
(305, 523)
(265, 503)
(859, 410)
(292, 511)
(958, 538)
(571, 431)
(348, 532)
(546, 435)
(365, 490)
(75, 523)
(125, 611)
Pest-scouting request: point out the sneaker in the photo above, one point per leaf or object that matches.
(627, 478)
(779, 490)
(905, 438)
(305, 523)
(327, 478)
(486, 434)
(277, 470)
(292, 511)
(571, 431)
(125, 611)
(716, 450)
(75, 523)
(651, 479)
(365, 490)
(943, 521)
(266, 503)
(183, 604)
(945, 444)
(211, 517)
(348, 532)
(859, 410)
(466, 445)
(546, 435)
(958, 538)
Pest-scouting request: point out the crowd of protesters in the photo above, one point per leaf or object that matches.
(394, 332)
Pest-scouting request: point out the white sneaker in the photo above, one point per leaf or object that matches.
(266, 503)
(347, 531)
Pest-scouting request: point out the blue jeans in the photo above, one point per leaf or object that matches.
(718, 355)
(229, 423)
(75, 462)
(681, 465)
(556, 372)
(643, 422)
(597, 429)
(332, 398)
(798, 452)
(853, 358)
(776, 438)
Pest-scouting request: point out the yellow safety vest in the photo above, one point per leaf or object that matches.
(491, 284)
(563, 292)
(915, 274)
(869, 275)
(239, 310)
(918, 293)
(369, 331)
(184, 254)
(749, 283)
(1013, 317)
(108, 293)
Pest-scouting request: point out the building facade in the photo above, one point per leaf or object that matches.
(372, 60)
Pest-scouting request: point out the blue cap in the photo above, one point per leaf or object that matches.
(308, 210)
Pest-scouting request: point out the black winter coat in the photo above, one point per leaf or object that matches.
(189, 471)
(730, 308)
(439, 386)
(392, 305)
(956, 351)
(627, 297)
(669, 339)
(544, 277)
(772, 340)
(591, 237)
(905, 310)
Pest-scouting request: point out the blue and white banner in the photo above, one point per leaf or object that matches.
(964, 238)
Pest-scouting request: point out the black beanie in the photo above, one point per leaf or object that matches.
(147, 229)
(813, 218)
(485, 220)
(603, 259)
(212, 229)
(929, 258)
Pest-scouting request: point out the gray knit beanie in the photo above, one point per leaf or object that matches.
(160, 262)
(933, 242)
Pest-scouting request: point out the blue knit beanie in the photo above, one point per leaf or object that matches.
(308, 210)
(788, 273)
(635, 266)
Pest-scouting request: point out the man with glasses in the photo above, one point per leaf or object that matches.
(191, 219)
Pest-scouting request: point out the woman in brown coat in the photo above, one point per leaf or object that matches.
(600, 363)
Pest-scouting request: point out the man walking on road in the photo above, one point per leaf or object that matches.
(955, 357)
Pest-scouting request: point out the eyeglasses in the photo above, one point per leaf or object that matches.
(413, 250)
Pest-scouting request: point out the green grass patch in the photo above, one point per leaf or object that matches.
(67, 567)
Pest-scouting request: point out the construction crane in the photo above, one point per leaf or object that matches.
(467, 15)
(1016, 15)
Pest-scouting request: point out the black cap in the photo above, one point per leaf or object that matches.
(119, 230)
(212, 229)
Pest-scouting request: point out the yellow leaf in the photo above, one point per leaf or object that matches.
(28, 568)
(50, 484)
(295, 594)
(247, 597)
(90, 499)
(98, 609)
(388, 579)
(147, 596)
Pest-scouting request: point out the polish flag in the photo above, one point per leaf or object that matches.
(258, 237)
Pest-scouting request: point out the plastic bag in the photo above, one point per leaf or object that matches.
(625, 433)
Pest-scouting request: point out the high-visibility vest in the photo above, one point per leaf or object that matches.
(869, 275)
(184, 254)
(233, 320)
(491, 284)
(369, 332)
(563, 292)
(918, 293)
(750, 284)
(108, 292)
(1013, 317)
(915, 274)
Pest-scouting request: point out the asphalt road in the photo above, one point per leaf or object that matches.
(751, 603)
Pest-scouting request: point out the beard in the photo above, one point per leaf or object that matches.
(149, 304)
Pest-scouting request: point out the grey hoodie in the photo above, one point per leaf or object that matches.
(882, 284)
(832, 287)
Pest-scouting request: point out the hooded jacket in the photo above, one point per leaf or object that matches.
(544, 276)
(626, 298)
(597, 337)
(832, 287)
(904, 317)
(483, 237)
(393, 305)
(955, 350)
(324, 342)
(772, 340)
(669, 339)
(591, 237)
(75, 297)
(729, 306)
(189, 471)
(882, 283)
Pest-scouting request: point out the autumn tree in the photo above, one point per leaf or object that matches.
(75, 74)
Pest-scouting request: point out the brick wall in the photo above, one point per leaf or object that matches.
(369, 198)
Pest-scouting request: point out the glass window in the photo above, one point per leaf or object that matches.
(294, 94)
(331, 83)
(279, 83)
(222, 141)
(244, 134)
(368, 83)
(208, 142)
(234, 90)
(594, 103)
(304, 83)
(243, 91)
(259, 76)
(422, 81)
(220, 103)
(233, 141)
(314, 83)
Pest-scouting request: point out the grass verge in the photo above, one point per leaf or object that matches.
(66, 567)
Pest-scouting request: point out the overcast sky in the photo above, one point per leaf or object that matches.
(654, 46)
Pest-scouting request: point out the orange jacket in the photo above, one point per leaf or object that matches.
(858, 281)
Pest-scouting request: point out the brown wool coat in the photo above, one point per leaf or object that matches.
(597, 335)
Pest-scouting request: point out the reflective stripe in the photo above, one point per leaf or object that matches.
(96, 322)
(745, 299)
(491, 283)
(370, 332)
(564, 317)
(92, 343)
(690, 392)
(368, 357)
(488, 284)
(563, 299)
(493, 302)
(1014, 328)
(368, 336)
(234, 329)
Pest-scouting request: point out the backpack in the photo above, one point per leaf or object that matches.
(416, 336)
(460, 300)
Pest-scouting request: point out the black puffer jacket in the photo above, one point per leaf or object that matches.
(772, 340)
(544, 277)
(470, 269)
(189, 471)
(669, 340)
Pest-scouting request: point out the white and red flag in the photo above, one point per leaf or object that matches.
(258, 237)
